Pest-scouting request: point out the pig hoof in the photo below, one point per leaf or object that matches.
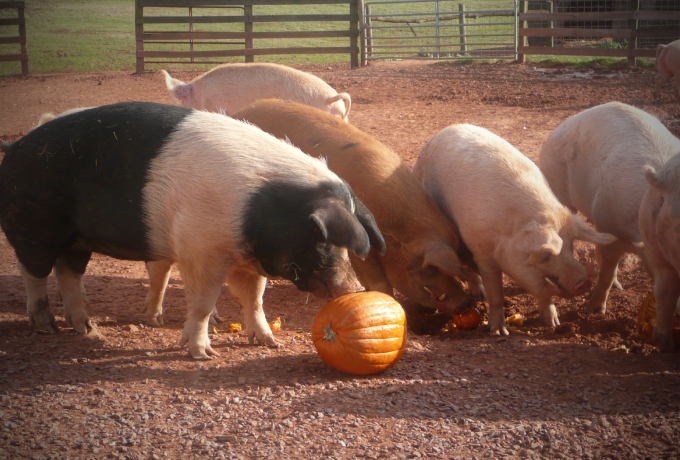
(617, 285)
(44, 322)
(215, 317)
(593, 308)
(270, 342)
(665, 343)
(82, 327)
(500, 331)
(212, 320)
(203, 354)
(155, 321)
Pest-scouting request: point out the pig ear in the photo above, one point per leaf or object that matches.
(346, 99)
(340, 228)
(445, 259)
(652, 178)
(585, 232)
(368, 221)
(178, 89)
(541, 243)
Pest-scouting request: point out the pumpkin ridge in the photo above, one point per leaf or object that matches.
(378, 314)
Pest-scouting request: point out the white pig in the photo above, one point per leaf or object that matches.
(660, 226)
(595, 163)
(232, 87)
(668, 64)
(508, 217)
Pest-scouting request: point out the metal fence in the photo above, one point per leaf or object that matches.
(431, 29)
(605, 6)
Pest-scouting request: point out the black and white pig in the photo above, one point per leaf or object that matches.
(218, 197)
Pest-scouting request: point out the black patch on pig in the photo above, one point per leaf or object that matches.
(349, 146)
(280, 232)
(75, 184)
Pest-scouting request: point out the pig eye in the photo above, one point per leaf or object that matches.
(546, 258)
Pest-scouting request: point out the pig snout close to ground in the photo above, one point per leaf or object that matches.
(231, 87)
(507, 216)
(145, 181)
(421, 258)
(660, 228)
(595, 163)
(668, 65)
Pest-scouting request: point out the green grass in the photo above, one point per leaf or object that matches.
(98, 35)
(582, 62)
(89, 35)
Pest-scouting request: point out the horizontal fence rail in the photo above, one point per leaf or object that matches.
(241, 42)
(20, 39)
(588, 31)
(432, 29)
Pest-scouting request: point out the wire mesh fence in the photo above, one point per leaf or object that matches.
(431, 29)
(602, 6)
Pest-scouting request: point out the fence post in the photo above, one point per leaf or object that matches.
(436, 26)
(369, 32)
(139, 30)
(551, 39)
(461, 21)
(362, 34)
(523, 8)
(22, 34)
(248, 28)
(354, 39)
(632, 26)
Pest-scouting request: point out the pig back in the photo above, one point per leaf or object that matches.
(379, 178)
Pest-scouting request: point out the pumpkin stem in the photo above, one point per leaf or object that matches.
(329, 333)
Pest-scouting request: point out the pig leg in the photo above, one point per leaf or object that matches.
(159, 275)
(371, 273)
(202, 285)
(474, 282)
(667, 294)
(493, 282)
(37, 305)
(661, 79)
(547, 307)
(215, 316)
(608, 260)
(248, 288)
(69, 271)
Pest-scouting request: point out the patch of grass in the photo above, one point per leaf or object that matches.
(85, 35)
(583, 62)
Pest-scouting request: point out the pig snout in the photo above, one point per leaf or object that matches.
(454, 304)
(581, 287)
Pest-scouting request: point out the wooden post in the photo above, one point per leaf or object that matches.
(461, 21)
(523, 8)
(551, 40)
(354, 27)
(362, 34)
(248, 27)
(369, 32)
(633, 25)
(22, 34)
(139, 30)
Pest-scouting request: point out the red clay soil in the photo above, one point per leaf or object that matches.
(588, 389)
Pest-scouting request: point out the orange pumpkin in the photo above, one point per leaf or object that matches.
(468, 318)
(361, 333)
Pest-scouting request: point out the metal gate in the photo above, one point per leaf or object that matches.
(437, 29)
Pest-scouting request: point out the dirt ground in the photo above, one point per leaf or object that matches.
(590, 389)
